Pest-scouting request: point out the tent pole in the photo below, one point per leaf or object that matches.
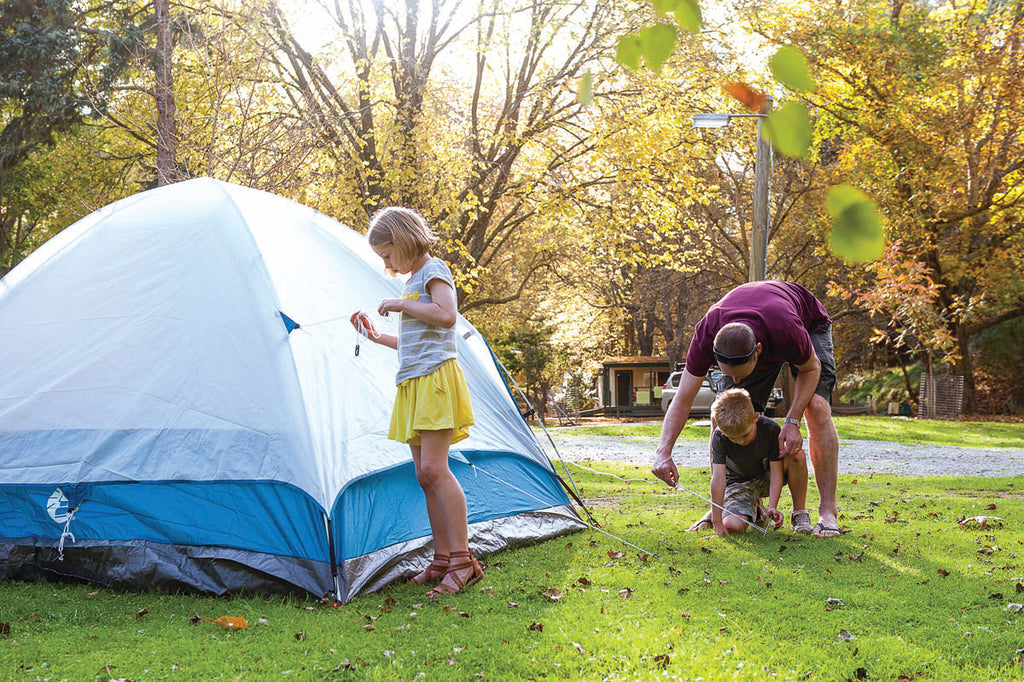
(334, 564)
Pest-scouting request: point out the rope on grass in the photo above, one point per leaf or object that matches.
(478, 468)
(763, 531)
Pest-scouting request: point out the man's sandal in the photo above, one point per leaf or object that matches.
(801, 519)
(823, 531)
(434, 571)
(468, 561)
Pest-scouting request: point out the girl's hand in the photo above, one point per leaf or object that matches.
(361, 321)
(389, 305)
(776, 516)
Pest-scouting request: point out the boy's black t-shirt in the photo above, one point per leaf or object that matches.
(745, 462)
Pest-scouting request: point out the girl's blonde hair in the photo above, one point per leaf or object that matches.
(733, 412)
(402, 228)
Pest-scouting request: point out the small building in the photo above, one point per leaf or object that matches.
(631, 386)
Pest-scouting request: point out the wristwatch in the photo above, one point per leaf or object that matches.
(794, 422)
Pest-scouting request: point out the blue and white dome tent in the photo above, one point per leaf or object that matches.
(182, 408)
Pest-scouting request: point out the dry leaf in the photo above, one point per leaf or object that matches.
(552, 594)
(196, 619)
(625, 593)
(300, 636)
(747, 96)
(535, 626)
(980, 521)
(369, 628)
(5, 629)
(943, 572)
(662, 660)
(578, 648)
(141, 612)
(614, 556)
(229, 622)
(344, 665)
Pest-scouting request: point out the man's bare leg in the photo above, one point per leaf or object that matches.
(823, 444)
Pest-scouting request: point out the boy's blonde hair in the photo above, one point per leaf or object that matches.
(733, 412)
(402, 228)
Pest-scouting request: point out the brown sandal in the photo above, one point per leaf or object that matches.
(435, 570)
(469, 561)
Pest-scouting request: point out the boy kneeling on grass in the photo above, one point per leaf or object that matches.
(745, 466)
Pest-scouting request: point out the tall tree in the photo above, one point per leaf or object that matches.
(920, 102)
(478, 156)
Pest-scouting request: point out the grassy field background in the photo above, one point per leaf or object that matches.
(909, 593)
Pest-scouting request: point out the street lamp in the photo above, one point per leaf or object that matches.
(762, 177)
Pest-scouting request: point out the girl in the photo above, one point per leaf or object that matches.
(432, 408)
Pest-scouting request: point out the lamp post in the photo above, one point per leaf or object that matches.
(762, 178)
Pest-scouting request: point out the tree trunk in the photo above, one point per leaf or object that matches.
(166, 125)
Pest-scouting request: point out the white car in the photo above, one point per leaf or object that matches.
(701, 404)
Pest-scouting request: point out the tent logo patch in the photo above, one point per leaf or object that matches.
(57, 506)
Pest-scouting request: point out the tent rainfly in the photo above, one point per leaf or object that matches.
(182, 408)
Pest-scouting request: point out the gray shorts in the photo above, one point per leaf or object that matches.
(742, 498)
(760, 382)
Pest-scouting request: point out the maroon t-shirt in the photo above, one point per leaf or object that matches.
(781, 315)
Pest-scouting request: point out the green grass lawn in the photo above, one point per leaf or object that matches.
(906, 594)
(899, 430)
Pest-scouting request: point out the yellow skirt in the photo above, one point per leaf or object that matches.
(435, 402)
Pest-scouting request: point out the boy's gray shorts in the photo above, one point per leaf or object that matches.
(742, 498)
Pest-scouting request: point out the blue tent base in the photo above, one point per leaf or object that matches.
(144, 566)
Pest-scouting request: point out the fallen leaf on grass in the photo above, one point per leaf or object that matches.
(625, 593)
(513, 605)
(229, 622)
(662, 660)
(615, 556)
(846, 635)
(369, 628)
(834, 602)
(141, 612)
(943, 572)
(552, 593)
(1015, 608)
(196, 619)
(583, 581)
(107, 668)
(5, 629)
(578, 648)
(980, 521)
(991, 507)
(300, 636)
(539, 627)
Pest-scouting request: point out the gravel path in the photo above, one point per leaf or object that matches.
(855, 456)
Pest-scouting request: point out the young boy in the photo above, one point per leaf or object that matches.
(745, 466)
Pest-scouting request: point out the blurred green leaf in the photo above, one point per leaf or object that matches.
(789, 66)
(687, 14)
(857, 233)
(585, 94)
(789, 129)
(656, 44)
(627, 52)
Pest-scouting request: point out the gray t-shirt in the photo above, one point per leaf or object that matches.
(747, 462)
(422, 347)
